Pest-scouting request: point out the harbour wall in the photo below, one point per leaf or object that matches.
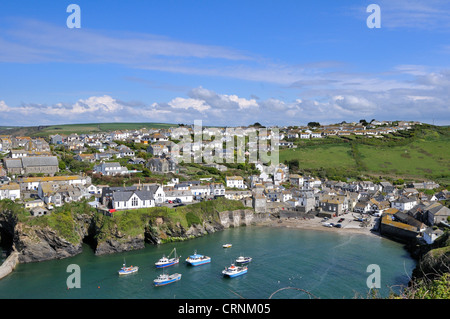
(242, 217)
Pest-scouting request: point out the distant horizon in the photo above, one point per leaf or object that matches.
(97, 123)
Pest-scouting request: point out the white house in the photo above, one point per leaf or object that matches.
(182, 187)
(112, 168)
(235, 182)
(132, 199)
(404, 203)
(158, 193)
(285, 196)
(217, 189)
(125, 151)
(279, 176)
(185, 196)
(296, 180)
(200, 190)
(305, 135)
(430, 235)
(10, 191)
(92, 189)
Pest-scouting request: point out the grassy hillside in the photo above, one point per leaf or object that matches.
(66, 129)
(420, 154)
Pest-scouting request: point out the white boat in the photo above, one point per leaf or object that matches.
(197, 259)
(227, 245)
(128, 270)
(234, 271)
(166, 261)
(243, 260)
(165, 279)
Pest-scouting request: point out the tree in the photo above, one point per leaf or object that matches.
(313, 124)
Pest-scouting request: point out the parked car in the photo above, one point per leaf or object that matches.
(341, 220)
(338, 225)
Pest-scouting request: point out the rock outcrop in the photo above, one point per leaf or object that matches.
(37, 242)
(42, 243)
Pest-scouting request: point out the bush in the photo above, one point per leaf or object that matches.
(191, 219)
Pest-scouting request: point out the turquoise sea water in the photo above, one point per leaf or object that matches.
(330, 265)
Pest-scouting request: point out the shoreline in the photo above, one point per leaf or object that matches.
(348, 226)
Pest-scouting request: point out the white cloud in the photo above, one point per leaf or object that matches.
(422, 95)
(4, 107)
(104, 104)
(182, 103)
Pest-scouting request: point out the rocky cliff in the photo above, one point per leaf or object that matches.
(37, 243)
(62, 234)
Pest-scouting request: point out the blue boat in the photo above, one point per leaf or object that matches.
(234, 271)
(197, 259)
(166, 261)
(128, 270)
(165, 279)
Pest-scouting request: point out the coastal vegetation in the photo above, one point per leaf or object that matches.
(76, 222)
(431, 277)
(417, 154)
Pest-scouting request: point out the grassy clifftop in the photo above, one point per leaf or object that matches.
(133, 222)
(417, 154)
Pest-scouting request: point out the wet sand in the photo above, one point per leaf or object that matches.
(348, 225)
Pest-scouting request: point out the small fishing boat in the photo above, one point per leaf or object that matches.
(243, 260)
(167, 261)
(234, 271)
(227, 245)
(128, 270)
(165, 279)
(197, 259)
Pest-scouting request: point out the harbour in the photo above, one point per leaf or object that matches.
(329, 265)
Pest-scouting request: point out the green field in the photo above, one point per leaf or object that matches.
(417, 159)
(320, 156)
(422, 156)
(66, 129)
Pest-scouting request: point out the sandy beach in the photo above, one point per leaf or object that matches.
(348, 225)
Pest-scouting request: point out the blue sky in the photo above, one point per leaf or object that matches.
(224, 62)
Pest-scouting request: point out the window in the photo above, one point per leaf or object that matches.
(134, 202)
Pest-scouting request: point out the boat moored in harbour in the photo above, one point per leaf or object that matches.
(234, 271)
(165, 279)
(227, 245)
(128, 270)
(197, 259)
(243, 260)
(167, 261)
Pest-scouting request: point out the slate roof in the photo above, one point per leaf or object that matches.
(122, 196)
(39, 161)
